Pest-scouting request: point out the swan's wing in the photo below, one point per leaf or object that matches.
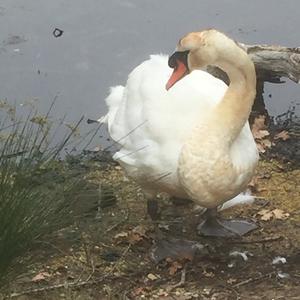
(150, 122)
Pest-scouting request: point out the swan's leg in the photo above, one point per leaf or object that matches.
(152, 208)
(213, 226)
(152, 203)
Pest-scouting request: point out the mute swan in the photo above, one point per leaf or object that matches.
(193, 140)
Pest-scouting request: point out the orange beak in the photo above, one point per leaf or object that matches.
(179, 72)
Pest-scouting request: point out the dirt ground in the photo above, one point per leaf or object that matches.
(106, 254)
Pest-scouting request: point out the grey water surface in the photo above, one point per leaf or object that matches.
(102, 41)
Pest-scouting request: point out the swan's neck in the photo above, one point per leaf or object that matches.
(233, 111)
(227, 119)
(205, 166)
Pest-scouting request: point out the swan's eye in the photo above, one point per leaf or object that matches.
(178, 56)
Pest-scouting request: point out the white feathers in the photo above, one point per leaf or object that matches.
(241, 199)
(151, 124)
(278, 260)
(243, 255)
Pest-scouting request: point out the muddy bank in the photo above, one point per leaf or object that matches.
(105, 254)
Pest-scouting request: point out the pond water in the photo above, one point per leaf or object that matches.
(102, 41)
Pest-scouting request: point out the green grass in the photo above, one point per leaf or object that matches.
(33, 185)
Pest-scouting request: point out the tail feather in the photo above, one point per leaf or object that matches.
(113, 101)
(241, 199)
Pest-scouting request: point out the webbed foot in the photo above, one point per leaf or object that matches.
(213, 226)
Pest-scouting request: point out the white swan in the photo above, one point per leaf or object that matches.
(192, 141)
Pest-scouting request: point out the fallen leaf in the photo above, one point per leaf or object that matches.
(174, 267)
(152, 276)
(41, 276)
(208, 274)
(265, 214)
(266, 143)
(139, 291)
(260, 134)
(137, 234)
(133, 236)
(259, 127)
(280, 214)
(282, 135)
(260, 148)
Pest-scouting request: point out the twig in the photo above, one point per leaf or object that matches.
(53, 246)
(77, 260)
(57, 286)
(93, 271)
(250, 280)
(86, 249)
(182, 279)
(262, 241)
(72, 284)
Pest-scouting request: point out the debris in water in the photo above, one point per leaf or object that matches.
(57, 32)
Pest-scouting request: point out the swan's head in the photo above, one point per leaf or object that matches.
(195, 51)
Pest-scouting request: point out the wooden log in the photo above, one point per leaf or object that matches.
(274, 62)
(271, 62)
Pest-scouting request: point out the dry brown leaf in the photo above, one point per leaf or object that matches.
(260, 148)
(138, 291)
(265, 214)
(41, 276)
(260, 133)
(258, 126)
(263, 145)
(152, 276)
(282, 135)
(137, 234)
(174, 267)
(280, 214)
(266, 143)
(208, 274)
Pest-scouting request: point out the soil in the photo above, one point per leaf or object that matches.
(106, 253)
